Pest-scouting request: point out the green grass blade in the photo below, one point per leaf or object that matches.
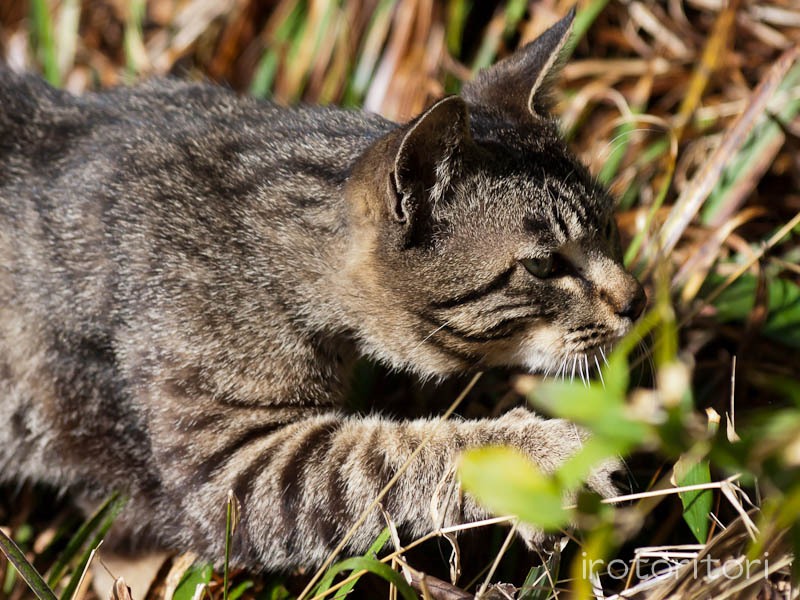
(515, 10)
(619, 143)
(538, 585)
(133, 40)
(457, 11)
(362, 563)
(111, 514)
(376, 547)
(782, 322)
(267, 68)
(44, 42)
(79, 539)
(31, 576)
(275, 590)
(753, 158)
(240, 589)
(231, 520)
(9, 581)
(583, 21)
(327, 580)
(487, 49)
(638, 240)
(368, 59)
(196, 575)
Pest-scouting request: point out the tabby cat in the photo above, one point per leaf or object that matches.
(187, 277)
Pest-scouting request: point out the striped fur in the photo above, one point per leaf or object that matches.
(186, 278)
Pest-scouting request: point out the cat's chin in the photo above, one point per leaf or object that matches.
(539, 351)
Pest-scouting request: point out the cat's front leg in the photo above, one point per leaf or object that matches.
(302, 485)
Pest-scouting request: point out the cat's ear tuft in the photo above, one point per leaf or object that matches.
(428, 157)
(518, 86)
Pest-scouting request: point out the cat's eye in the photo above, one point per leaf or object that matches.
(539, 267)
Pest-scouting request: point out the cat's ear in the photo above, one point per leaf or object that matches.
(429, 155)
(518, 86)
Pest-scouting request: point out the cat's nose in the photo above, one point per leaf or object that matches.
(635, 305)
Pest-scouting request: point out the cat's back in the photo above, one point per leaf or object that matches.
(167, 145)
(45, 125)
(152, 174)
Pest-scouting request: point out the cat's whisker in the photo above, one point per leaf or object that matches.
(648, 352)
(603, 354)
(558, 371)
(599, 372)
(586, 371)
(586, 364)
(432, 333)
(609, 147)
(574, 364)
(580, 371)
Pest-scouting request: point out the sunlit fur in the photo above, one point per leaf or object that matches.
(187, 276)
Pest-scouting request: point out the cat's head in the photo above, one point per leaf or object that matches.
(477, 237)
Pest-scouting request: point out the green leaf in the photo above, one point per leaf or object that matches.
(31, 576)
(506, 482)
(194, 576)
(697, 504)
(537, 585)
(574, 472)
(274, 589)
(376, 547)
(783, 301)
(602, 411)
(327, 580)
(240, 589)
(360, 563)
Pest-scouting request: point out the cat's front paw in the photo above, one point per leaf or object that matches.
(549, 443)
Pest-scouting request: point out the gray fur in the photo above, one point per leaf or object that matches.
(186, 278)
